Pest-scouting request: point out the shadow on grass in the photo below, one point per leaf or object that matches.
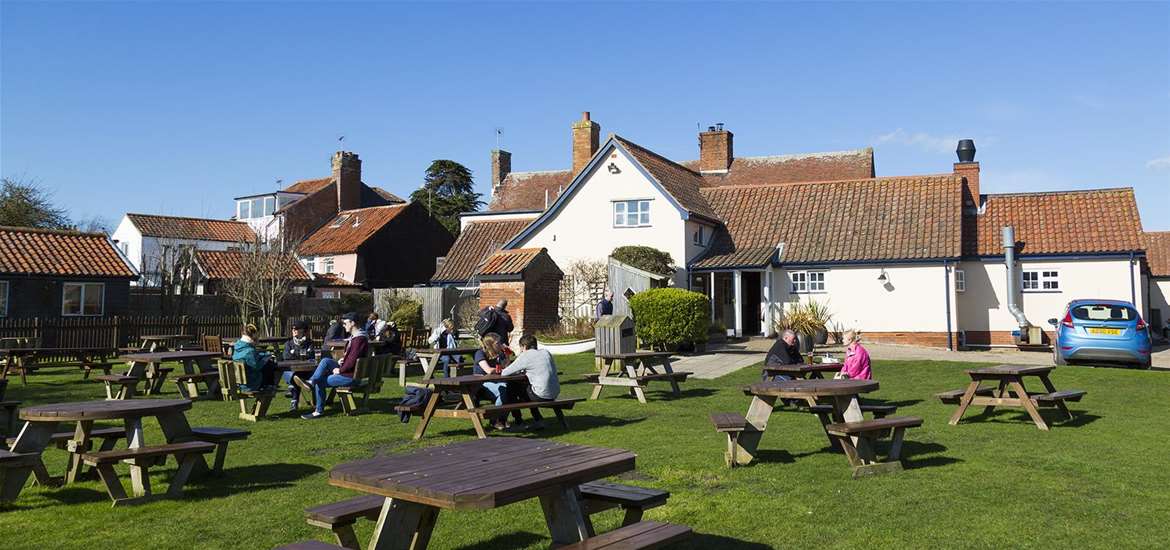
(511, 540)
(715, 541)
(775, 456)
(257, 477)
(577, 423)
(900, 404)
(1053, 417)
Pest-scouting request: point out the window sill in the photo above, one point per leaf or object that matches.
(631, 226)
(1057, 291)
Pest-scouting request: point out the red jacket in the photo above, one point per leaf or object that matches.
(357, 347)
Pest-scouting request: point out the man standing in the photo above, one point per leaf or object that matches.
(605, 306)
(784, 352)
(495, 319)
(330, 373)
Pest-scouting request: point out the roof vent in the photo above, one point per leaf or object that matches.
(966, 150)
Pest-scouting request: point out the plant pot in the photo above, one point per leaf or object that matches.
(566, 348)
(805, 341)
(822, 337)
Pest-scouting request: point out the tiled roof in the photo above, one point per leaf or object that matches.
(1064, 222)
(348, 230)
(510, 262)
(28, 251)
(1158, 253)
(527, 190)
(381, 194)
(828, 166)
(475, 243)
(682, 183)
(229, 264)
(308, 186)
(177, 227)
(330, 279)
(882, 219)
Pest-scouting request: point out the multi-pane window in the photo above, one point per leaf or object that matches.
(311, 265)
(82, 298)
(631, 213)
(327, 264)
(3, 298)
(960, 280)
(1040, 280)
(243, 210)
(698, 236)
(807, 281)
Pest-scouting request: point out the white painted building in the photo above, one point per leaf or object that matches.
(1157, 285)
(147, 240)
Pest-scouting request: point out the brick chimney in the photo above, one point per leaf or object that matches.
(715, 149)
(586, 136)
(968, 169)
(501, 167)
(347, 174)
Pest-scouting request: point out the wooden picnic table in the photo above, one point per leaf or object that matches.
(163, 342)
(87, 358)
(802, 370)
(193, 361)
(638, 369)
(467, 386)
(1010, 380)
(480, 475)
(429, 359)
(41, 423)
(840, 394)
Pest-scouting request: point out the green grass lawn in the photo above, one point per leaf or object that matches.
(1100, 480)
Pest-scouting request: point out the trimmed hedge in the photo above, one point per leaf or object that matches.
(409, 314)
(671, 316)
(645, 258)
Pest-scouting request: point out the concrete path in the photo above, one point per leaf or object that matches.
(742, 354)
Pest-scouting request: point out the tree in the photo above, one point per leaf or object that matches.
(175, 268)
(25, 204)
(645, 258)
(447, 191)
(265, 280)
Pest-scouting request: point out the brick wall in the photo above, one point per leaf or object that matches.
(974, 338)
(513, 291)
(533, 302)
(715, 150)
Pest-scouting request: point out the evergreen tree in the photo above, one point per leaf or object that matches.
(447, 191)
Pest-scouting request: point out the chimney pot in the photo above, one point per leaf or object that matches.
(586, 140)
(501, 167)
(585, 116)
(347, 176)
(716, 150)
(966, 150)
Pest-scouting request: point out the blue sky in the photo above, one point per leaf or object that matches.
(176, 108)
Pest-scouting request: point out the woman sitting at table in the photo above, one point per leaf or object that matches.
(330, 373)
(491, 359)
(299, 346)
(258, 367)
(856, 359)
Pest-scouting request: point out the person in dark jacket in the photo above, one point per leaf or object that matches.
(392, 337)
(258, 367)
(299, 346)
(605, 306)
(447, 339)
(503, 322)
(335, 331)
(784, 352)
(330, 373)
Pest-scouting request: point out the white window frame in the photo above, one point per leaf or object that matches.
(269, 206)
(311, 265)
(240, 204)
(330, 294)
(7, 286)
(1043, 280)
(643, 213)
(807, 282)
(327, 265)
(81, 303)
(960, 281)
(698, 235)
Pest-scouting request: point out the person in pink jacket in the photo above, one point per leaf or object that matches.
(856, 359)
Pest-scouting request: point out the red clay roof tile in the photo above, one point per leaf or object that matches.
(1060, 222)
(229, 264)
(828, 166)
(476, 242)
(348, 230)
(29, 251)
(179, 227)
(1158, 253)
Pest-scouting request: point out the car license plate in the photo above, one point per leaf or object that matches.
(1109, 331)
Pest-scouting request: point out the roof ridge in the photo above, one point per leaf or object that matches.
(539, 171)
(625, 141)
(49, 231)
(1068, 192)
(878, 179)
(798, 156)
(185, 218)
(400, 205)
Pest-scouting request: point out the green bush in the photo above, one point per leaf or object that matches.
(645, 258)
(670, 316)
(409, 314)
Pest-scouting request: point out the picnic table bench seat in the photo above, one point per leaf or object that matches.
(558, 406)
(871, 431)
(1062, 395)
(127, 385)
(312, 545)
(104, 366)
(731, 424)
(9, 459)
(108, 435)
(598, 496)
(952, 397)
(220, 437)
(140, 460)
(637, 536)
(187, 383)
(8, 417)
(339, 517)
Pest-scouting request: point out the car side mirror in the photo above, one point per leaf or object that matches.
(1052, 321)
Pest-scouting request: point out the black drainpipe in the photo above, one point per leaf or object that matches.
(947, 288)
(1132, 287)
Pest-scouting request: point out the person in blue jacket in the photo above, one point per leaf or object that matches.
(258, 367)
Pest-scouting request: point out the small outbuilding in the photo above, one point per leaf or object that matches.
(531, 282)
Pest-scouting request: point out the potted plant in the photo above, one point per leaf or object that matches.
(799, 320)
(822, 316)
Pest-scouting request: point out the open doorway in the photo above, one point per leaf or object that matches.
(750, 304)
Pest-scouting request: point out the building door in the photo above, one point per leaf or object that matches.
(750, 304)
(724, 299)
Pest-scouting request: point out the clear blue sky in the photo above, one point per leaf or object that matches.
(175, 108)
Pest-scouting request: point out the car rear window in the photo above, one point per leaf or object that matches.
(1104, 312)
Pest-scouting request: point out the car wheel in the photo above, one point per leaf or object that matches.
(1057, 358)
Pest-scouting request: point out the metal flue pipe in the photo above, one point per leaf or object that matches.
(1009, 258)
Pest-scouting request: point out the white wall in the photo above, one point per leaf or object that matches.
(983, 306)
(693, 250)
(1160, 297)
(912, 300)
(127, 233)
(583, 228)
(344, 265)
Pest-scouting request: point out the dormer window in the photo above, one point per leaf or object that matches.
(698, 236)
(256, 207)
(340, 221)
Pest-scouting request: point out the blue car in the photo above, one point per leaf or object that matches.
(1109, 331)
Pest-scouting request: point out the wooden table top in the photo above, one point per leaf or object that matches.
(812, 388)
(151, 337)
(103, 410)
(432, 352)
(646, 354)
(801, 368)
(471, 380)
(160, 356)
(297, 365)
(258, 340)
(61, 350)
(1011, 370)
(483, 473)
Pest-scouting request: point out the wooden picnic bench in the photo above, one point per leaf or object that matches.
(28, 359)
(108, 435)
(140, 460)
(1010, 392)
(870, 431)
(634, 371)
(428, 359)
(235, 375)
(162, 342)
(220, 437)
(802, 370)
(467, 386)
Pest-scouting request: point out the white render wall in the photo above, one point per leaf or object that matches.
(583, 228)
(1160, 297)
(983, 306)
(344, 265)
(143, 252)
(913, 300)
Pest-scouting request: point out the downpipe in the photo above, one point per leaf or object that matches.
(1009, 258)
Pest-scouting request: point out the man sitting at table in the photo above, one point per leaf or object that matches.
(300, 346)
(784, 352)
(330, 373)
(541, 370)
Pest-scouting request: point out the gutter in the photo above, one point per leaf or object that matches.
(947, 289)
(1132, 285)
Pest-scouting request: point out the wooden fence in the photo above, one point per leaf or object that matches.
(126, 331)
